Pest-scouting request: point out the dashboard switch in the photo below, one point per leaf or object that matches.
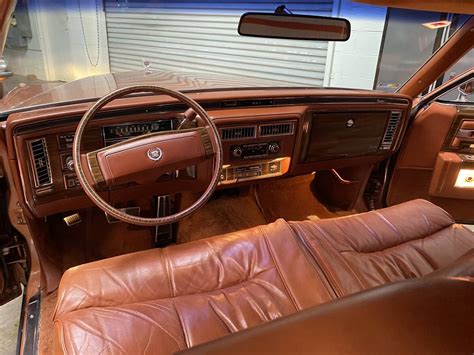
(237, 152)
(71, 181)
(70, 163)
(274, 148)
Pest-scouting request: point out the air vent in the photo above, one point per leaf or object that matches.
(231, 133)
(40, 162)
(277, 129)
(391, 130)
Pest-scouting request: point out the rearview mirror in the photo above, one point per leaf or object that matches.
(292, 26)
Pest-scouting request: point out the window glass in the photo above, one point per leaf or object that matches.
(402, 54)
(67, 50)
(462, 93)
(461, 66)
(410, 38)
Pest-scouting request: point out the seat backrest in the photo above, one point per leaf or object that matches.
(371, 249)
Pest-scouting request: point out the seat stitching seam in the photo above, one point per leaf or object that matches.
(311, 259)
(212, 306)
(326, 270)
(354, 272)
(297, 307)
(167, 268)
(395, 230)
(61, 335)
(394, 246)
(327, 240)
(181, 322)
(343, 260)
(425, 257)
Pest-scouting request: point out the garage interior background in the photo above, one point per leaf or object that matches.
(64, 40)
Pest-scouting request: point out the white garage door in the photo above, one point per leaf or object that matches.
(202, 36)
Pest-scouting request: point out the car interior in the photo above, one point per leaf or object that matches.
(205, 214)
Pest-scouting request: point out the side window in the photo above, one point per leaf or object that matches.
(461, 66)
(462, 93)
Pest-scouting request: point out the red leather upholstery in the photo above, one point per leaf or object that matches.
(173, 298)
(397, 243)
(431, 315)
(164, 300)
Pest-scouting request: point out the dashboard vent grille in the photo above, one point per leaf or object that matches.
(41, 164)
(231, 133)
(392, 127)
(277, 129)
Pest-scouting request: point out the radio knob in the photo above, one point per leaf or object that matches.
(237, 152)
(273, 148)
(70, 163)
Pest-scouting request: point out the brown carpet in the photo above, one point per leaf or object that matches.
(220, 215)
(45, 341)
(291, 199)
(94, 239)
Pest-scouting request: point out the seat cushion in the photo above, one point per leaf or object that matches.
(164, 300)
(406, 317)
(371, 249)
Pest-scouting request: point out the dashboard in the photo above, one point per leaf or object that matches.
(265, 134)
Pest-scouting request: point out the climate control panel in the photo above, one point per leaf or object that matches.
(253, 171)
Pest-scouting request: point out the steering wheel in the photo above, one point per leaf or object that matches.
(147, 157)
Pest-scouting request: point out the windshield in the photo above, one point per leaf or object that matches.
(65, 51)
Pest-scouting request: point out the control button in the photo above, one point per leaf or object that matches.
(65, 141)
(69, 163)
(274, 168)
(273, 148)
(223, 175)
(237, 152)
(71, 181)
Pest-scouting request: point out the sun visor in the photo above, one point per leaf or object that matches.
(449, 6)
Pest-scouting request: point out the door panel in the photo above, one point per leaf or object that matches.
(435, 162)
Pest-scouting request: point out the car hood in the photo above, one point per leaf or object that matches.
(93, 87)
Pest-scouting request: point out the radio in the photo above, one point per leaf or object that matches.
(252, 171)
(254, 150)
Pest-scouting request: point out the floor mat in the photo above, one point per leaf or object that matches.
(220, 215)
(291, 199)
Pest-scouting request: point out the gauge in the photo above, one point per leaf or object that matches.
(117, 133)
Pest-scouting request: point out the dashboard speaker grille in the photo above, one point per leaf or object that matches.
(391, 130)
(40, 162)
(277, 129)
(231, 133)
